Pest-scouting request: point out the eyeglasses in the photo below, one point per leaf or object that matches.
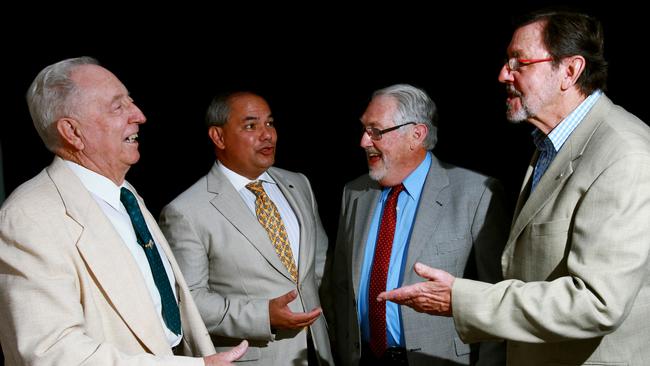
(376, 133)
(515, 64)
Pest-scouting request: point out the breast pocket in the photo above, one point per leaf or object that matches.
(555, 227)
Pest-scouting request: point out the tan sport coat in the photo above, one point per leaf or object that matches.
(70, 290)
(577, 262)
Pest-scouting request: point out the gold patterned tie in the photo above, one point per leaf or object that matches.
(269, 216)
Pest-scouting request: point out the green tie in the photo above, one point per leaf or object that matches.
(170, 313)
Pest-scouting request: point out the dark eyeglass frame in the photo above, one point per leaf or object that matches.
(375, 133)
(514, 64)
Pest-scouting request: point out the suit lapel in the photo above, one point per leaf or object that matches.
(562, 167)
(231, 206)
(103, 250)
(433, 199)
(364, 207)
(289, 191)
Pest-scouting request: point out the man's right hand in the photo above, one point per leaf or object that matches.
(282, 317)
(225, 358)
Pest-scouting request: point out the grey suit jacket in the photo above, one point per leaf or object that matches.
(70, 290)
(577, 261)
(460, 227)
(233, 271)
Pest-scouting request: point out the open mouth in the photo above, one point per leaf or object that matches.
(132, 138)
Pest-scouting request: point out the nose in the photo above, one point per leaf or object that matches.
(267, 132)
(505, 75)
(136, 115)
(366, 141)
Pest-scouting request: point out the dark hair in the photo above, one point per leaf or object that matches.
(219, 109)
(568, 33)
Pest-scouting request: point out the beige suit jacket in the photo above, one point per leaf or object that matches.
(577, 262)
(233, 271)
(70, 290)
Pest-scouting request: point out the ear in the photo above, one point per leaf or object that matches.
(419, 133)
(216, 135)
(574, 66)
(70, 133)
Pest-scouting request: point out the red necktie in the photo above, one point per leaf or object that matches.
(379, 272)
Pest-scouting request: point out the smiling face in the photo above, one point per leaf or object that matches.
(106, 121)
(533, 89)
(398, 152)
(246, 143)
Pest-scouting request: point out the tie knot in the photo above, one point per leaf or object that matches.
(395, 191)
(256, 187)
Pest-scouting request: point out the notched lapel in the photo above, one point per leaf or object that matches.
(433, 199)
(103, 251)
(290, 192)
(364, 207)
(231, 206)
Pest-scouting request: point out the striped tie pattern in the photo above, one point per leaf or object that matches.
(269, 217)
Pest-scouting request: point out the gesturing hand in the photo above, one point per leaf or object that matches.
(282, 317)
(431, 297)
(225, 358)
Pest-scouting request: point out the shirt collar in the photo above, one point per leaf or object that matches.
(98, 184)
(239, 181)
(558, 135)
(415, 181)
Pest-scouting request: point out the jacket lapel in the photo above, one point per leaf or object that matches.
(364, 207)
(433, 199)
(231, 206)
(103, 250)
(289, 191)
(562, 167)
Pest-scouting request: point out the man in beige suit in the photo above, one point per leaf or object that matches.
(76, 284)
(577, 262)
(249, 280)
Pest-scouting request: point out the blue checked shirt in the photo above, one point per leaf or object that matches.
(549, 146)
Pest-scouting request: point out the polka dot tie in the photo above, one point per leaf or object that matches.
(170, 313)
(379, 272)
(269, 217)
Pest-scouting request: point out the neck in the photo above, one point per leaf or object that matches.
(558, 111)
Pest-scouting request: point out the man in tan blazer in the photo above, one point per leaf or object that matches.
(577, 262)
(241, 285)
(75, 284)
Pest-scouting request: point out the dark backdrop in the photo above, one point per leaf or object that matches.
(316, 67)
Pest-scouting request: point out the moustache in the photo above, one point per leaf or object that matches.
(512, 91)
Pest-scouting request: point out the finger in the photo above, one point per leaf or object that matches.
(425, 271)
(234, 353)
(398, 294)
(285, 299)
(298, 318)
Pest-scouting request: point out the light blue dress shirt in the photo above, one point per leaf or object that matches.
(407, 204)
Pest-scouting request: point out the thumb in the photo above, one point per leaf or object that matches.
(425, 271)
(234, 353)
(288, 297)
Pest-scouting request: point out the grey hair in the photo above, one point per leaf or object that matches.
(219, 109)
(49, 97)
(413, 105)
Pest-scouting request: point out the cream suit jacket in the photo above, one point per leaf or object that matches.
(233, 271)
(70, 290)
(460, 226)
(577, 262)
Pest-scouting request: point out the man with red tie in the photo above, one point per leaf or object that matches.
(411, 207)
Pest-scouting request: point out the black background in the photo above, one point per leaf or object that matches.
(316, 65)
